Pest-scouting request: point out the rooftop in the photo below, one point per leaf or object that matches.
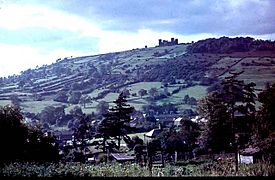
(249, 151)
(153, 133)
(122, 157)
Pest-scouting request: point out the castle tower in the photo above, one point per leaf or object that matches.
(160, 42)
(172, 40)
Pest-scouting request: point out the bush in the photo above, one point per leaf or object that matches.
(74, 97)
(61, 97)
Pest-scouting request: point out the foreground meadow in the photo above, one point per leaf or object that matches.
(134, 170)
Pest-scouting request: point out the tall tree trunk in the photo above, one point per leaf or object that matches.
(104, 144)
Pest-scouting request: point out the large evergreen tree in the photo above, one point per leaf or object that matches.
(116, 122)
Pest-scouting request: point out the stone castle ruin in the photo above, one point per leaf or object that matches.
(168, 43)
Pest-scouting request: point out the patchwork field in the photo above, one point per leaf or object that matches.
(102, 77)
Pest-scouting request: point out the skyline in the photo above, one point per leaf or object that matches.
(35, 32)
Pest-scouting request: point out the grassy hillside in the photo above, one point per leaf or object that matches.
(176, 70)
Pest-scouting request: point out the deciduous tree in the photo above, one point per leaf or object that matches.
(22, 142)
(219, 109)
(265, 123)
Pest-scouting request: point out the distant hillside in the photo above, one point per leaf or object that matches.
(166, 73)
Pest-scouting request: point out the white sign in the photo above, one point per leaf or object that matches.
(246, 159)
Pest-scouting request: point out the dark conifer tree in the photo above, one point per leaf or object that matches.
(116, 122)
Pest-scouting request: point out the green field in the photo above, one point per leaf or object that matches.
(197, 92)
(134, 88)
(38, 106)
(4, 102)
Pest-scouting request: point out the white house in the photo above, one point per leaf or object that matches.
(177, 121)
(198, 119)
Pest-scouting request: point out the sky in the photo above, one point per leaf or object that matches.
(38, 32)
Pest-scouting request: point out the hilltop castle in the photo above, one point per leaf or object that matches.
(168, 43)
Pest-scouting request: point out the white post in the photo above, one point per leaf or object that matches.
(176, 156)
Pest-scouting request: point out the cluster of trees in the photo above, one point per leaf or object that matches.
(181, 141)
(114, 127)
(166, 108)
(234, 122)
(208, 81)
(266, 114)
(189, 100)
(29, 143)
(142, 92)
(52, 115)
(179, 68)
(83, 132)
(228, 45)
(22, 142)
(55, 115)
(73, 97)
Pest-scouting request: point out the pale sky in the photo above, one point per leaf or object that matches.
(37, 32)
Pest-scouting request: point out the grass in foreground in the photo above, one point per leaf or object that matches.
(132, 170)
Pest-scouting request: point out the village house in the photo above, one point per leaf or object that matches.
(64, 138)
(166, 120)
(199, 119)
(152, 134)
(177, 121)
